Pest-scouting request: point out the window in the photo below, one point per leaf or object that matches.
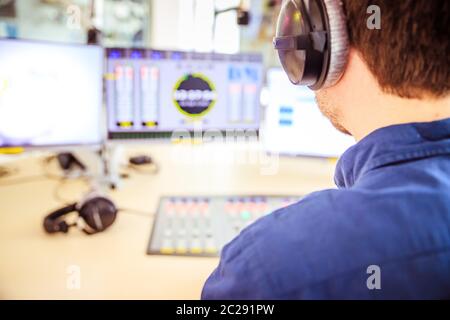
(200, 30)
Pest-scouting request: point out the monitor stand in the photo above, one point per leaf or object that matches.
(111, 156)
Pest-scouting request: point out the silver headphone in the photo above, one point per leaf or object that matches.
(312, 42)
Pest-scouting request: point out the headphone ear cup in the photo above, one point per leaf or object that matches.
(338, 42)
(98, 213)
(49, 226)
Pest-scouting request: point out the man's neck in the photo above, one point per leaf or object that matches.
(382, 110)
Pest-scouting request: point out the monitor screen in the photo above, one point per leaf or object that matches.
(151, 94)
(50, 94)
(293, 123)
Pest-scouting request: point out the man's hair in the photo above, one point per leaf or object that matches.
(410, 54)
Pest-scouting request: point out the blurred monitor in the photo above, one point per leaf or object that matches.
(50, 94)
(150, 94)
(293, 123)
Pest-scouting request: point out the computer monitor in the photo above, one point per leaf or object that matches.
(151, 94)
(293, 123)
(50, 94)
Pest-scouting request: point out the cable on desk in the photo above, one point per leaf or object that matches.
(39, 177)
(62, 180)
(45, 164)
(140, 168)
(56, 191)
(45, 168)
(27, 179)
(22, 180)
(136, 212)
(57, 196)
(7, 171)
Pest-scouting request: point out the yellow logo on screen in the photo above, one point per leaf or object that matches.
(4, 83)
(194, 95)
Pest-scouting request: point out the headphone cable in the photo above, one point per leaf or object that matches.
(21, 180)
(136, 212)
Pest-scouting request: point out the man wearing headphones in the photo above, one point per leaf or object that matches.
(384, 233)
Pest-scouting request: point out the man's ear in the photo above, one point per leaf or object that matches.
(353, 61)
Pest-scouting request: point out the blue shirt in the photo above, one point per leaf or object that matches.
(387, 226)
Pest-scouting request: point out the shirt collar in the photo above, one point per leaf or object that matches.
(392, 144)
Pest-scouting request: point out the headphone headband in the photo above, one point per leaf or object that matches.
(52, 222)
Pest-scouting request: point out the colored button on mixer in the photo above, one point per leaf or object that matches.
(195, 232)
(210, 246)
(181, 247)
(168, 233)
(246, 215)
(196, 250)
(195, 247)
(167, 250)
(211, 250)
(167, 247)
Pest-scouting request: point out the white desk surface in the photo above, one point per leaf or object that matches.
(114, 264)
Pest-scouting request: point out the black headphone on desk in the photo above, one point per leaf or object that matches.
(96, 213)
(312, 42)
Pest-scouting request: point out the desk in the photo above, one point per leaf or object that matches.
(113, 264)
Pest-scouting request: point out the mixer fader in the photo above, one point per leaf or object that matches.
(201, 226)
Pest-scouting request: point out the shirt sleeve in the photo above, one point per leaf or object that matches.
(272, 257)
(240, 274)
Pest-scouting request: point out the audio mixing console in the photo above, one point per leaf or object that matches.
(201, 226)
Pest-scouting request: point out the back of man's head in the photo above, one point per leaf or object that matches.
(397, 71)
(410, 54)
